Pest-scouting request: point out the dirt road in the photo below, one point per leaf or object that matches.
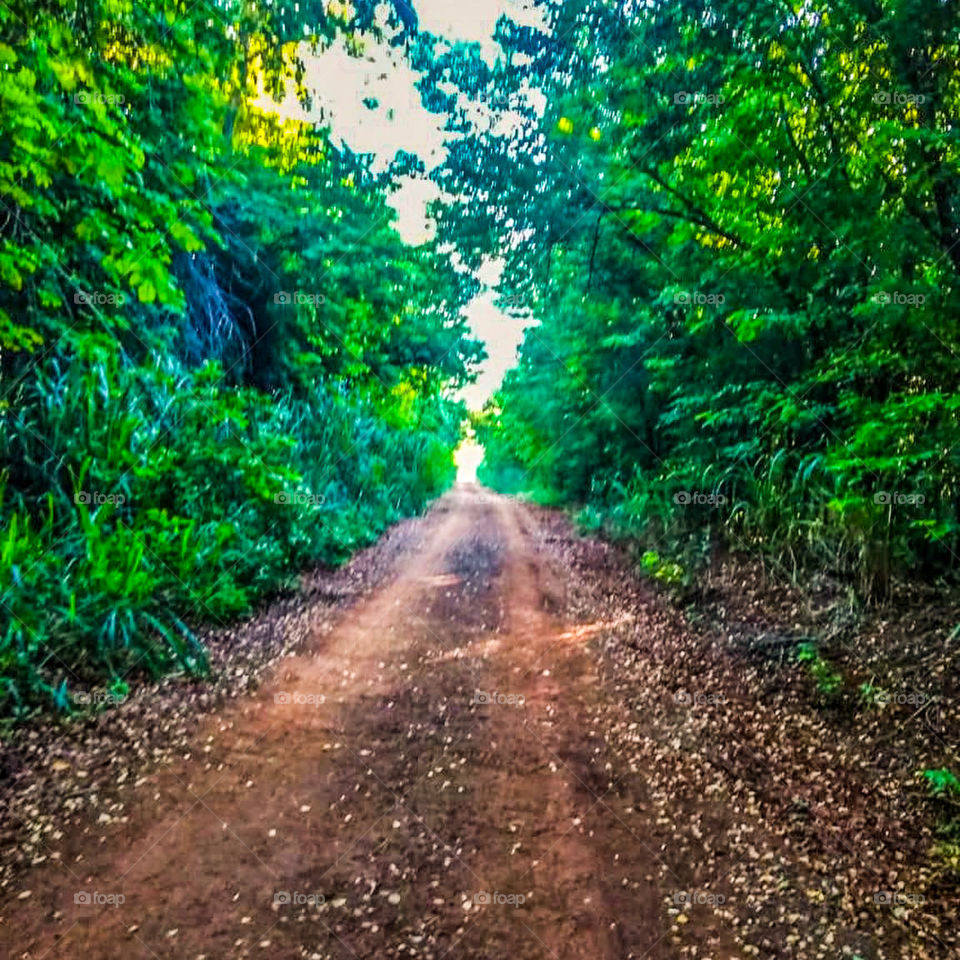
(423, 781)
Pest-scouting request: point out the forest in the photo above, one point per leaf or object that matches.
(733, 232)
(479, 478)
(736, 231)
(219, 364)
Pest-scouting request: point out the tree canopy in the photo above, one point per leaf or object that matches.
(735, 228)
(219, 363)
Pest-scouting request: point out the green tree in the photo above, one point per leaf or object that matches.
(737, 228)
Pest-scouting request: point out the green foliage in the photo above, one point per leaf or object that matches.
(670, 573)
(205, 385)
(736, 231)
(944, 787)
(942, 783)
(827, 679)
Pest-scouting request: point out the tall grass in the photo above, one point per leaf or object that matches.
(140, 502)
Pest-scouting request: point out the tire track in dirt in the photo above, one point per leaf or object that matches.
(584, 867)
(363, 803)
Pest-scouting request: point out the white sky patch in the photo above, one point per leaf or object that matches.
(502, 335)
(468, 457)
(371, 104)
(410, 201)
(473, 21)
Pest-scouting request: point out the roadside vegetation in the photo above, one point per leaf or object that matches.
(734, 229)
(219, 364)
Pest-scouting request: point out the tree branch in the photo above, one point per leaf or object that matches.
(695, 214)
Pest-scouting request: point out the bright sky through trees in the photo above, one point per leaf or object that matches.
(346, 86)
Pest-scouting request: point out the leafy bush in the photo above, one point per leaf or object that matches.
(203, 388)
(826, 677)
(944, 787)
(942, 783)
(721, 267)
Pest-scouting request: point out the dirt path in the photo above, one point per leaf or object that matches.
(424, 781)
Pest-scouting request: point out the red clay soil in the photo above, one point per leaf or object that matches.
(420, 782)
(459, 768)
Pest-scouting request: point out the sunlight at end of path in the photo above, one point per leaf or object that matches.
(468, 457)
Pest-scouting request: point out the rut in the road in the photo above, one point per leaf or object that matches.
(423, 783)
